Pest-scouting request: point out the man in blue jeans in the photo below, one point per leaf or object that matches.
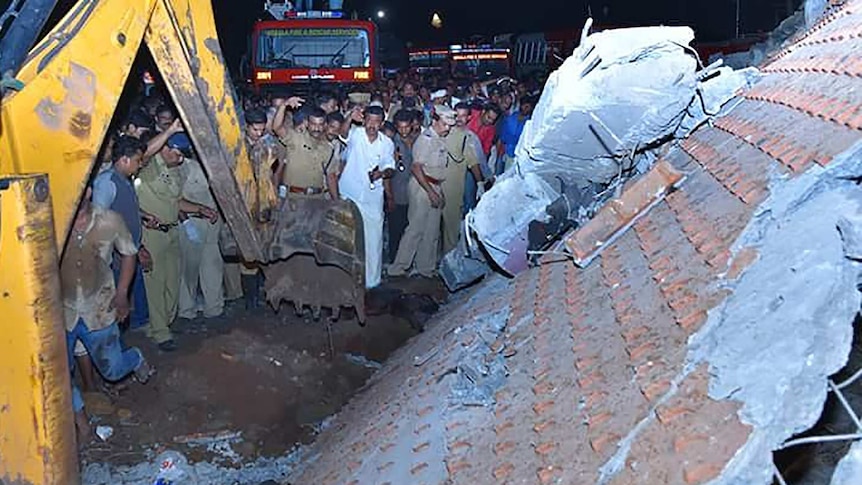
(93, 304)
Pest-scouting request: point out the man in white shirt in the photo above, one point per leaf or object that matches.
(369, 164)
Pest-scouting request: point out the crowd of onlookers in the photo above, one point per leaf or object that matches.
(413, 153)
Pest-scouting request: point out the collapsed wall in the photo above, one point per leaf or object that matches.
(696, 341)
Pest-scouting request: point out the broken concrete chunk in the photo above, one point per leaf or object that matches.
(503, 215)
(849, 469)
(719, 87)
(603, 118)
(585, 126)
(852, 237)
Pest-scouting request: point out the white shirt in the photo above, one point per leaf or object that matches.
(362, 156)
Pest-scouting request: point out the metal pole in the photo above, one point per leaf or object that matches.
(738, 2)
(23, 33)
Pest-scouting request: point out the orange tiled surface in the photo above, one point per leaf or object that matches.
(593, 352)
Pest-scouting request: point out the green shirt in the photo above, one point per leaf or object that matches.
(160, 189)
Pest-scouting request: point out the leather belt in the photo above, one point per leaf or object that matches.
(305, 190)
(167, 227)
(163, 227)
(432, 180)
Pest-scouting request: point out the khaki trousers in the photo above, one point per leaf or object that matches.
(232, 281)
(453, 191)
(421, 240)
(162, 282)
(202, 270)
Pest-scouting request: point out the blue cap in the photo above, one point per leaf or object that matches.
(181, 142)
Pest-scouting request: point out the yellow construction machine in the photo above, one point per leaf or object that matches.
(60, 95)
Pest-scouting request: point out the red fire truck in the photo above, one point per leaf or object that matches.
(301, 47)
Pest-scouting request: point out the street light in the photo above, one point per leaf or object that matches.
(436, 21)
(381, 14)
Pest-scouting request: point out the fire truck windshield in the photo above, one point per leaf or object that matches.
(314, 48)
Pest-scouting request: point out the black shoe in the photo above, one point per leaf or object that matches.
(168, 346)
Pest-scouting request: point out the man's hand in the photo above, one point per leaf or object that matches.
(436, 199)
(176, 127)
(390, 204)
(121, 305)
(489, 183)
(146, 259)
(295, 102)
(209, 214)
(278, 102)
(376, 174)
(150, 221)
(356, 115)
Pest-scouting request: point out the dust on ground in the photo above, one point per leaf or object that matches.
(263, 382)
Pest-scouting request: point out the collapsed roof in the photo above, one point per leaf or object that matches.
(697, 340)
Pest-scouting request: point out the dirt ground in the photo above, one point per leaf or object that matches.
(260, 380)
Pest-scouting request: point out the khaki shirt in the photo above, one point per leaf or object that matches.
(430, 151)
(196, 187)
(460, 148)
(160, 189)
(337, 155)
(85, 272)
(307, 160)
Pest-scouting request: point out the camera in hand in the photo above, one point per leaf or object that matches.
(371, 175)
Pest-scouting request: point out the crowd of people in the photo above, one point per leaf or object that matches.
(414, 155)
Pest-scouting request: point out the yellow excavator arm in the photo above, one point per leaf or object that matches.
(52, 130)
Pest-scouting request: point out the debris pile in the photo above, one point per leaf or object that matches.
(605, 116)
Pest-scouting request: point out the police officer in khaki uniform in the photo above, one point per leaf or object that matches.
(310, 167)
(421, 240)
(465, 153)
(202, 264)
(160, 195)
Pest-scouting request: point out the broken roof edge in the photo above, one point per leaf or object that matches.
(795, 207)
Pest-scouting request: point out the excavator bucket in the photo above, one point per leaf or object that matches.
(317, 256)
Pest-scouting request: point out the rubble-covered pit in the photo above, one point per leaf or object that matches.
(244, 390)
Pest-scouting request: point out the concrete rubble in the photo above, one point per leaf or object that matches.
(604, 116)
(802, 294)
(849, 470)
(173, 467)
(481, 371)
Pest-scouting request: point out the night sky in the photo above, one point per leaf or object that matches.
(410, 19)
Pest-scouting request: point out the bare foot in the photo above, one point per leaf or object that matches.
(144, 372)
(85, 431)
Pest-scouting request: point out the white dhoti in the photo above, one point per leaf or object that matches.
(361, 157)
(372, 224)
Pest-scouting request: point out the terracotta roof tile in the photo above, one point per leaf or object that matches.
(596, 356)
